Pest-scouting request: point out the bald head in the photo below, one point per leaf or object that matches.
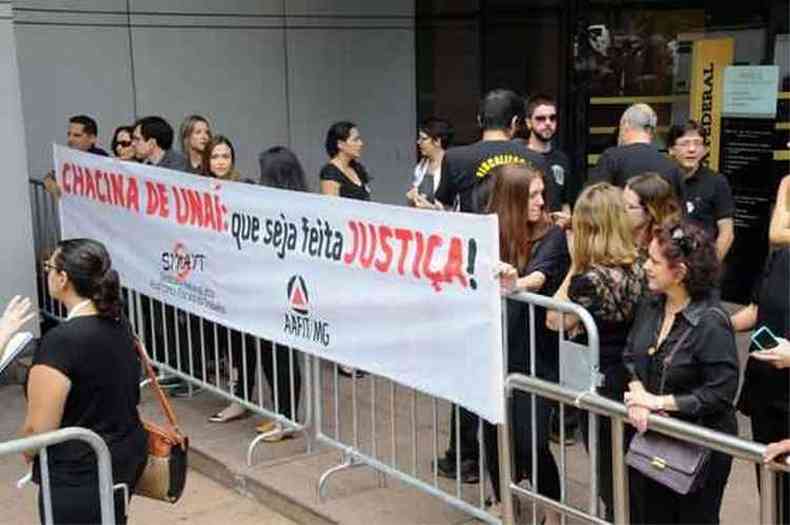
(638, 124)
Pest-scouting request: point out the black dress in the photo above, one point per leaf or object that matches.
(703, 378)
(348, 189)
(611, 295)
(764, 395)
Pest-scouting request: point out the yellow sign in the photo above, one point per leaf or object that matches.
(709, 59)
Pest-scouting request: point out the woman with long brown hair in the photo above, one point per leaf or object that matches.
(535, 258)
(195, 134)
(650, 202)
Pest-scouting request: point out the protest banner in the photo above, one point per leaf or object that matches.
(403, 293)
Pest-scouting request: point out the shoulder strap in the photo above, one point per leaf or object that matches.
(163, 401)
(668, 359)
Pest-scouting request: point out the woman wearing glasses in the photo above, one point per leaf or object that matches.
(85, 373)
(122, 143)
(650, 202)
(682, 361)
(433, 138)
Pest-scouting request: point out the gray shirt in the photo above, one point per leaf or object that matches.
(174, 160)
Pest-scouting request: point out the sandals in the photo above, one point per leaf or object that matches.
(223, 417)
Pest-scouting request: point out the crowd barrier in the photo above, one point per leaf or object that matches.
(579, 368)
(41, 442)
(360, 416)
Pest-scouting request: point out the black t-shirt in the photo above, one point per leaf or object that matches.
(559, 169)
(619, 164)
(348, 189)
(708, 199)
(466, 169)
(98, 357)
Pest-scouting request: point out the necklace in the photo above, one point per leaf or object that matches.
(78, 308)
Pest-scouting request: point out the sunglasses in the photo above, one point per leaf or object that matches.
(48, 266)
(685, 244)
(544, 118)
(124, 143)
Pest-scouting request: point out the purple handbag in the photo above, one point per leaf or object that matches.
(678, 465)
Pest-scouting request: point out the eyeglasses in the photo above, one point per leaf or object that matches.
(685, 144)
(124, 143)
(685, 244)
(544, 118)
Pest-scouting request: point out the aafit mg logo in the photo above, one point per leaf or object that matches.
(181, 262)
(298, 319)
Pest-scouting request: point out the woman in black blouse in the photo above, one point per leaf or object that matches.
(535, 259)
(606, 279)
(85, 373)
(682, 360)
(344, 175)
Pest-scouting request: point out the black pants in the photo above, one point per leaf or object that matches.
(468, 423)
(660, 505)
(79, 505)
(281, 372)
(769, 424)
(548, 475)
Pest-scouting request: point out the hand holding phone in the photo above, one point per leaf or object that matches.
(764, 339)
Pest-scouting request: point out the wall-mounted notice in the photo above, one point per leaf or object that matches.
(750, 91)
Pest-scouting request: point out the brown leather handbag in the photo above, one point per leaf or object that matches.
(165, 473)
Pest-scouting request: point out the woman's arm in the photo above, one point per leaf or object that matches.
(47, 389)
(330, 187)
(779, 230)
(554, 318)
(532, 282)
(745, 318)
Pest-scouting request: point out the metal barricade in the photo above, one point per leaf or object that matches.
(718, 441)
(40, 442)
(587, 376)
(187, 346)
(361, 417)
(182, 344)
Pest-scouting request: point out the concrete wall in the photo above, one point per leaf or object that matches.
(265, 72)
(17, 266)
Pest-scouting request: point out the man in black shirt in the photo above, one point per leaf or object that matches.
(542, 123)
(465, 169)
(708, 194)
(635, 153)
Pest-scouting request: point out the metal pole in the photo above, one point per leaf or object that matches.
(767, 496)
(619, 474)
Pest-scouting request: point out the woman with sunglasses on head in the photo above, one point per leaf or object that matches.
(433, 138)
(122, 143)
(607, 279)
(682, 361)
(85, 373)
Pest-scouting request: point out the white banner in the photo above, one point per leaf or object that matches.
(403, 293)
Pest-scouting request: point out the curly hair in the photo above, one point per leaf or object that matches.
(688, 244)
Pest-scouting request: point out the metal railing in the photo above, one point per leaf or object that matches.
(361, 417)
(731, 445)
(40, 442)
(587, 376)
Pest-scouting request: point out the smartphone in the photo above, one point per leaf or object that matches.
(764, 339)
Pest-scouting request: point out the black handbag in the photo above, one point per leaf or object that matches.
(678, 465)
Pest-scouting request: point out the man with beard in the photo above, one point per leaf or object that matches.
(542, 125)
